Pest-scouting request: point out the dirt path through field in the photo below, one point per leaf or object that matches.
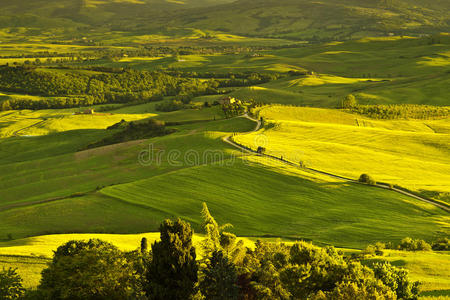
(229, 140)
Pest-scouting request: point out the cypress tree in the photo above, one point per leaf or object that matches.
(172, 272)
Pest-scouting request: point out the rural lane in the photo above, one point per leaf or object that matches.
(229, 140)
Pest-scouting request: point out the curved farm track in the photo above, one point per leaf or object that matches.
(229, 140)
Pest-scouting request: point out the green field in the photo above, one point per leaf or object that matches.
(54, 187)
(70, 187)
(348, 145)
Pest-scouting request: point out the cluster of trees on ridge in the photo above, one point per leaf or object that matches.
(133, 131)
(395, 111)
(87, 89)
(73, 88)
(227, 269)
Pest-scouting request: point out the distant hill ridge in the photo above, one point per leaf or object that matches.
(290, 19)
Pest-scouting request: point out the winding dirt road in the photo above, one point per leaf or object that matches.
(229, 140)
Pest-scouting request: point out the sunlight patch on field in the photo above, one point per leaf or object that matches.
(384, 39)
(139, 59)
(314, 80)
(44, 245)
(95, 3)
(41, 122)
(349, 145)
(435, 61)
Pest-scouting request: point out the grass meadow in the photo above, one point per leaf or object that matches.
(411, 153)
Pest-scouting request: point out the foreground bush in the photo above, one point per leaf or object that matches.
(10, 284)
(89, 270)
(305, 271)
(409, 244)
(227, 270)
(397, 280)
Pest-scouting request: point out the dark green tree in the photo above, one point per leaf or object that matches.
(90, 270)
(365, 178)
(144, 245)
(10, 284)
(172, 272)
(219, 278)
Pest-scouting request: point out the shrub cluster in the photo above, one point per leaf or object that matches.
(403, 111)
(365, 178)
(170, 269)
(133, 131)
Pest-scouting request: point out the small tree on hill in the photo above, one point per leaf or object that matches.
(172, 272)
(261, 150)
(349, 101)
(365, 178)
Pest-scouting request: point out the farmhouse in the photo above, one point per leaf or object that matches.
(228, 100)
(88, 112)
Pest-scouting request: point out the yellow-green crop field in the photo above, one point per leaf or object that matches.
(411, 153)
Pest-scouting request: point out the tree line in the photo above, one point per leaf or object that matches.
(402, 111)
(65, 86)
(395, 111)
(84, 88)
(172, 269)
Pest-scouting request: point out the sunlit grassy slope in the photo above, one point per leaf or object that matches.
(410, 153)
(49, 187)
(45, 167)
(296, 19)
(259, 199)
(42, 122)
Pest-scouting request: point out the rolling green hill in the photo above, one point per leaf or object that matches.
(72, 188)
(332, 19)
(349, 144)
(289, 19)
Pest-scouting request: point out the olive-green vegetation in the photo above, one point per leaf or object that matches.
(227, 270)
(133, 131)
(88, 89)
(10, 284)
